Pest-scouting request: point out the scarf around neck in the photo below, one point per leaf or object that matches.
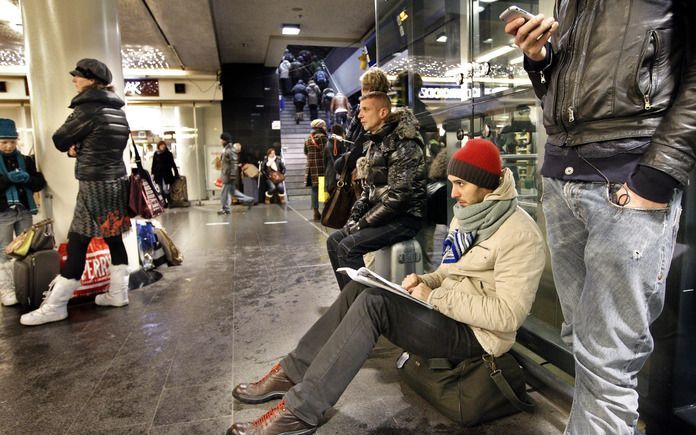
(12, 193)
(477, 222)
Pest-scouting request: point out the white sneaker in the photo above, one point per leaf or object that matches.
(8, 297)
(117, 296)
(55, 304)
(46, 313)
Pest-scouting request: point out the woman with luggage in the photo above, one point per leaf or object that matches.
(164, 170)
(272, 163)
(95, 134)
(18, 182)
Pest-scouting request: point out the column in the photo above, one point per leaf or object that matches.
(56, 35)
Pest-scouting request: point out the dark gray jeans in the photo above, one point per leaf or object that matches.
(336, 346)
(347, 250)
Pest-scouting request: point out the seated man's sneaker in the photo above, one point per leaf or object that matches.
(278, 421)
(272, 386)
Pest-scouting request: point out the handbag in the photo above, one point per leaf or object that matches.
(276, 176)
(171, 252)
(337, 209)
(143, 199)
(250, 170)
(38, 237)
(476, 390)
(96, 276)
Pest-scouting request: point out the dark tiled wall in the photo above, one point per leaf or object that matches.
(244, 87)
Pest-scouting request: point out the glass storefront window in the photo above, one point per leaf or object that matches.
(453, 64)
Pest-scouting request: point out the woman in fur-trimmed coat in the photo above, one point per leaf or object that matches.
(313, 149)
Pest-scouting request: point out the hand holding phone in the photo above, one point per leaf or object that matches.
(533, 34)
(514, 12)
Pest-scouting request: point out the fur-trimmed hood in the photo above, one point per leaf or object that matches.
(406, 124)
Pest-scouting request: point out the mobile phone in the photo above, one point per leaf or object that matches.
(514, 12)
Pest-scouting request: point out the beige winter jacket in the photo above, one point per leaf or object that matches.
(492, 287)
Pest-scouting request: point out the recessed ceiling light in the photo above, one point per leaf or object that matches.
(291, 29)
(441, 38)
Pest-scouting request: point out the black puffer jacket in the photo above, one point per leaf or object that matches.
(396, 180)
(623, 69)
(99, 129)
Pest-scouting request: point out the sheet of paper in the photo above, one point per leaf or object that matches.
(369, 278)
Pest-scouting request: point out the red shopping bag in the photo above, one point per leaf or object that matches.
(96, 276)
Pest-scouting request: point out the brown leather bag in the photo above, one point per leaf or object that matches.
(341, 199)
(276, 177)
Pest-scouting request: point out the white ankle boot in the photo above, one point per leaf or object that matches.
(117, 296)
(7, 288)
(55, 304)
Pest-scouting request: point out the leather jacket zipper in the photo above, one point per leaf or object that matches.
(652, 39)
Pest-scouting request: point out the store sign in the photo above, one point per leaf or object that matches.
(461, 93)
(142, 88)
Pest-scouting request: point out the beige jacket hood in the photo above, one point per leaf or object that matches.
(493, 286)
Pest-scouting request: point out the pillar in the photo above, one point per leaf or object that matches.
(56, 35)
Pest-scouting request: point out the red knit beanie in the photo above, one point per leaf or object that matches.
(477, 162)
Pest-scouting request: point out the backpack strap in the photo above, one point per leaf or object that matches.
(497, 375)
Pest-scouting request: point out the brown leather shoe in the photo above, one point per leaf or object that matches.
(278, 421)
(272, 386)
(317, 215)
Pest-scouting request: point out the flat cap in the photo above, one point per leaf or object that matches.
(92, 69)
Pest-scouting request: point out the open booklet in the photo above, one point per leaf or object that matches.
(369, 278)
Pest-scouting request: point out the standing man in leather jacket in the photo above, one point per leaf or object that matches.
(392, 204)
(618, 85)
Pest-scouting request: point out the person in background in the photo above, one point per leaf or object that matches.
(340, 108)
(229, 171)
(313, 98)
(321, 77)
(273, 162)
(19, 179)
(392, 204)
(480, 295)
(617, 83)
(299, 98)
(334, 148)
(327, 96)
(164, 169)
(284, 76)
(96, 134)
(314, 149)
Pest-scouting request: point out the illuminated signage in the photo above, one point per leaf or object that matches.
(142, 88)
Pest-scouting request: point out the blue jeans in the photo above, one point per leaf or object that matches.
(229, 189)
(12, 222)
(272, 188)
(610, 266)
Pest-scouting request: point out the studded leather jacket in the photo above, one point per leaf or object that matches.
(99, 129)
(623, 69)
(396, 181)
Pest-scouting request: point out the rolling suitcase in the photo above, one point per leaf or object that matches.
(33, 274)
(178, 193)
(398, 260)
(251, 188)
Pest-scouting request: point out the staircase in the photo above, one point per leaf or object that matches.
(292, 137)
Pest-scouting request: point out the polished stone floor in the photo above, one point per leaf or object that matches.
(251, 284)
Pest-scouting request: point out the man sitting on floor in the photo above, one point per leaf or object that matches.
(481, 294)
